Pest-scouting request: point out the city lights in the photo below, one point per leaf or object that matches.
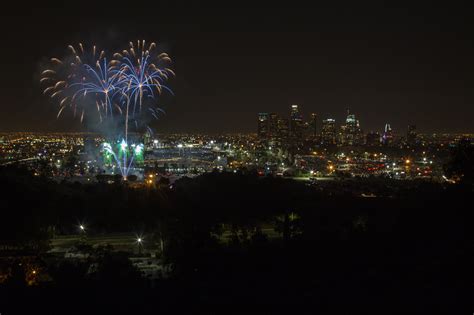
(298, 169)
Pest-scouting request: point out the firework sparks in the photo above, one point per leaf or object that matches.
(89, 84)
(143, 73)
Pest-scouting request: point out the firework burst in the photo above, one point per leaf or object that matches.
(83, 81)
(143, 73)
(86, 82)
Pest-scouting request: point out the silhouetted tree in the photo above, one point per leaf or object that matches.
(461, 164)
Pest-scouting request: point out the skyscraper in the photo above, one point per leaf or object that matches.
(313, 125)
(387, 137)
(351, 134)
(328, 133)
(273, 125)
(263, 125)
(283, 128)
(295, 112)
(296, 122)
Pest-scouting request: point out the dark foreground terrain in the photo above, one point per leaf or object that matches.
(237, 244)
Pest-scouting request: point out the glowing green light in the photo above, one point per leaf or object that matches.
(138, 149)
(123, 145)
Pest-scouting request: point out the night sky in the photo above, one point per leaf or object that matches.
(387, 64)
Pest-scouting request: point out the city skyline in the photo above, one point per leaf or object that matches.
(294, 127)
(339, 118)
(182, 158)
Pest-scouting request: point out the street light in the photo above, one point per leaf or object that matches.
(82, 231)
(139, 243)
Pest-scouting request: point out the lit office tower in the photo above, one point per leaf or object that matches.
(313, 125)
(411, 135)
(283, 128)
(387, 137)
(263, 125)
(328, 132)
(296, 122)
(351, 132)
(295, 112)
(273, 125)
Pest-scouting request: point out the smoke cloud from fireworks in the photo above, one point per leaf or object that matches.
(117, 88)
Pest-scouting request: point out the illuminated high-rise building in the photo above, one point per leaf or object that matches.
(283, 128)
(313, 125)
(328, 132)
(295, 113)
(296, 122)
(351, 134)
(263, 125)
(273, 125)
(387, 137)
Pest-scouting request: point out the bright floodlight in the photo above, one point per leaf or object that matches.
(138, 149)
(82, 227)
(123, 145)
(139, 240)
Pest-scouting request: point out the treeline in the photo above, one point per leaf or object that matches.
(337, 252)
